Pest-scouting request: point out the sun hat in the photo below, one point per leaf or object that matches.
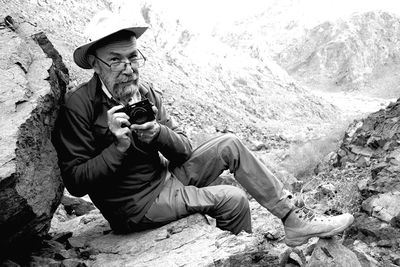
(101, 26)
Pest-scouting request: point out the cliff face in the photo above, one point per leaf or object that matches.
(33, 82)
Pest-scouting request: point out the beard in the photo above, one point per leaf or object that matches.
(123, 87)
(125, 91)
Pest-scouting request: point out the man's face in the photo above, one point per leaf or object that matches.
(122, 84)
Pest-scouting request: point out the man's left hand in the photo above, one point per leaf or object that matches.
(147, 131)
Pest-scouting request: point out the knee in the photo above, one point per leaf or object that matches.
(235, 213)
(230, 145)
(237, 197)
(230, 138)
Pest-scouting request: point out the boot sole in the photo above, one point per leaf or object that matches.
(294, 242)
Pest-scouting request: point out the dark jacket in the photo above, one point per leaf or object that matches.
(121, 185)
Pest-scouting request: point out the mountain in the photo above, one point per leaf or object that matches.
(358, 53)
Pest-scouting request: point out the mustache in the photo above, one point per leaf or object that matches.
(128, 79)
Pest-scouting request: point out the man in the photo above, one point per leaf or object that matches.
(145, 175)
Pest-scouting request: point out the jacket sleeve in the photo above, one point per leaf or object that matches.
(81, 166)
(172, 141)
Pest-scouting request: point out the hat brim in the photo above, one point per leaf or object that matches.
(81, 53)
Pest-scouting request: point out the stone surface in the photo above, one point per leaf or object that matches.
(33, 79)
(383, 206)
(330, 253)
(76, 206)
(190, 241)
(362, 251)
(372, 230)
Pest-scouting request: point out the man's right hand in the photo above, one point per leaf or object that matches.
(123, 135)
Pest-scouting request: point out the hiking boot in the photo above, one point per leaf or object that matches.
(303, 223)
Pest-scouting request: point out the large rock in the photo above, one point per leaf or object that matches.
(330, 253)
(33, 80)
(191, 241)
(383, 206)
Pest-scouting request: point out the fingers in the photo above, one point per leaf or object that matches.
(146, 132)
(113, 109)
(155, 109)
(122, 121)
(143, 127)
(117, 119)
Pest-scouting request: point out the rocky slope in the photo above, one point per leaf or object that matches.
(210, 87)
(358, 53)
(367, 166)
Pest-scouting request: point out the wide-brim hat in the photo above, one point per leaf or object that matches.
(100, 27)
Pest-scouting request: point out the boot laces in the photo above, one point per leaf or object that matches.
(307, 212)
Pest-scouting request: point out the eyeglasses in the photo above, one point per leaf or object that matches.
(118, 66)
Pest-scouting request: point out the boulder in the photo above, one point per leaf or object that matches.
(330, 253)
(191, 241)
(76, 206)
(372, 230)
(33, 80)
(383, 206)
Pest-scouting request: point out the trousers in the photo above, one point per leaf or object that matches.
(187, 190)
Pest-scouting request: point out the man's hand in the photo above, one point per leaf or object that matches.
(147, 131)
(123, 135)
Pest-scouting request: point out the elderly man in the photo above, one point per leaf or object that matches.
(143, 175)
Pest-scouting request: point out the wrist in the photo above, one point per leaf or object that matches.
(121, 148)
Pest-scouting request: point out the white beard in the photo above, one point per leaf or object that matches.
(125, 93)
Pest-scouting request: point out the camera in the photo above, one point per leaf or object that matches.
(139, 112)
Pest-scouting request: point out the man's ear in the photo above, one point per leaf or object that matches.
(93, 62)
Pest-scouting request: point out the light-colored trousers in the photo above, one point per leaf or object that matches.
(187, 190)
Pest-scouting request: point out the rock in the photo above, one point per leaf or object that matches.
(329, 252)
(76, 242)
(9, 263)
(289, 181)
(395, 222)
(33, 81)
(37, 261)
(257, 145)
(62, 237)
(49, 249)
(189, 241)
(292, 257)
(363, 254)
(370, 229)
(72, 263)
(396, 259)
(76, 206)
(377, 168)
(383, 206)
(385, 243)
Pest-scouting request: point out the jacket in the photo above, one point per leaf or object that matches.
(122, 185)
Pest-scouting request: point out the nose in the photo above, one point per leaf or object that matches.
(129, 68)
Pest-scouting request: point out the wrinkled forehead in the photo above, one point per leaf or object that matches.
(120, 41)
